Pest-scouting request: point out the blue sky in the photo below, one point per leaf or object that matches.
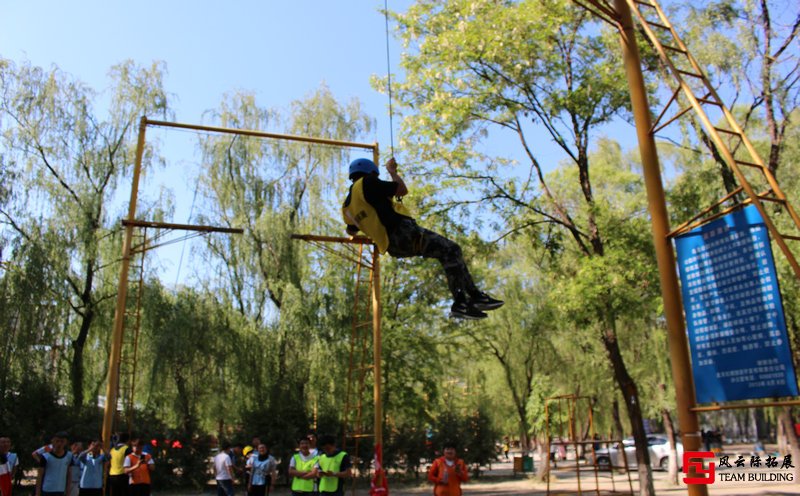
(282, 50)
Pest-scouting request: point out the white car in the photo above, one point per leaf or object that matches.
(657, 445)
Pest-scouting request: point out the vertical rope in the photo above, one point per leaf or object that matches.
(389, 74)
(183, 245)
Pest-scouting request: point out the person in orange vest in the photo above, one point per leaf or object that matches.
(447, 473)
(138, 466)
(369, 208)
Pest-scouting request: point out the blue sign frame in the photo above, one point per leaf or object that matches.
(734, 312)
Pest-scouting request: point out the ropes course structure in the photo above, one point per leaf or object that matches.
(363, 364)
(690, 88)
(569, 421)
(142, 236)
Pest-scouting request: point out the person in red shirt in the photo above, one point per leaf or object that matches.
(138, 466)
(447, 473)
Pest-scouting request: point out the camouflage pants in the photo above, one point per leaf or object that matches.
(408, 239)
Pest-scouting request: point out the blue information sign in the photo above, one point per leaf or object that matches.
(734, 313)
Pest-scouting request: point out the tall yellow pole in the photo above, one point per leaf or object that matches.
(376, 336)
(112, 386)
(678, 345)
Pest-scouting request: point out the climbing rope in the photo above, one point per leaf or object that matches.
(389, 74)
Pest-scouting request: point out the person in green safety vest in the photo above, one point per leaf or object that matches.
(333, 466)
(303, 469)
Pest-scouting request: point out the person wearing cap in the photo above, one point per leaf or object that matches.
(369, 208)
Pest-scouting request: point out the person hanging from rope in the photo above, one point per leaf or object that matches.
(369, 208)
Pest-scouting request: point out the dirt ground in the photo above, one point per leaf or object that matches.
(501, 481)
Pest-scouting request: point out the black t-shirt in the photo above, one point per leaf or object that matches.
(379, 194)
(346, 464)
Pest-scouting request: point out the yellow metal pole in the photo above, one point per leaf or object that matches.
(376, 335)
(678, 345)
(112, 386)
(547, 448)
(262, 134)
(376, 338)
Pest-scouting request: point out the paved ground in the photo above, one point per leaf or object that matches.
(565, 482)
(500, 481)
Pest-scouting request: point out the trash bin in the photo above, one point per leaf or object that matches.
(527, 463)
(518, 465)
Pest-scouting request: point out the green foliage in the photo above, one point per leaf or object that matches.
(259, 346)
(406, 448)
(67, 159)
(470, 432)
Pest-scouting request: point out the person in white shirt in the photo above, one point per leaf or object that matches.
(263, 471)
(303, 470)
(224, 472)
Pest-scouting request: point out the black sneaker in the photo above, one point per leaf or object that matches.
(483, 301)
(466, 310)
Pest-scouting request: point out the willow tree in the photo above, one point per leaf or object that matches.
(68, 157)
(531, 70)
(274, 188)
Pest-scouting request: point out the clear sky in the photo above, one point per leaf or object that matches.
(281, 49)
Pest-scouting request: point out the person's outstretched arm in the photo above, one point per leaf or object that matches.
(391, 168)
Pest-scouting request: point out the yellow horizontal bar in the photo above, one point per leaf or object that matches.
(357, 240)
(714, 408)
(181, 227)
(262, 134)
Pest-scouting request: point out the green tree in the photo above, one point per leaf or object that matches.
(526, 68)
(284, 291)
(750, 51)
(519, 340)
(66, 154)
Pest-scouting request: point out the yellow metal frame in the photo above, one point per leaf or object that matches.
(357, 370)
(619, 13)
(128, 251)
(573, 404)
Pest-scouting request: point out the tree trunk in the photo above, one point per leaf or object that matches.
(87, 318)
(753, 430)
(544, 454)
(524, 437)
(780, 433)
(187, 417)
(619, 431)
(76, 367)
(673, 449)
(630, 394)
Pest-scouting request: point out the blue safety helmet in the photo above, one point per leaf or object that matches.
(364, 166)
